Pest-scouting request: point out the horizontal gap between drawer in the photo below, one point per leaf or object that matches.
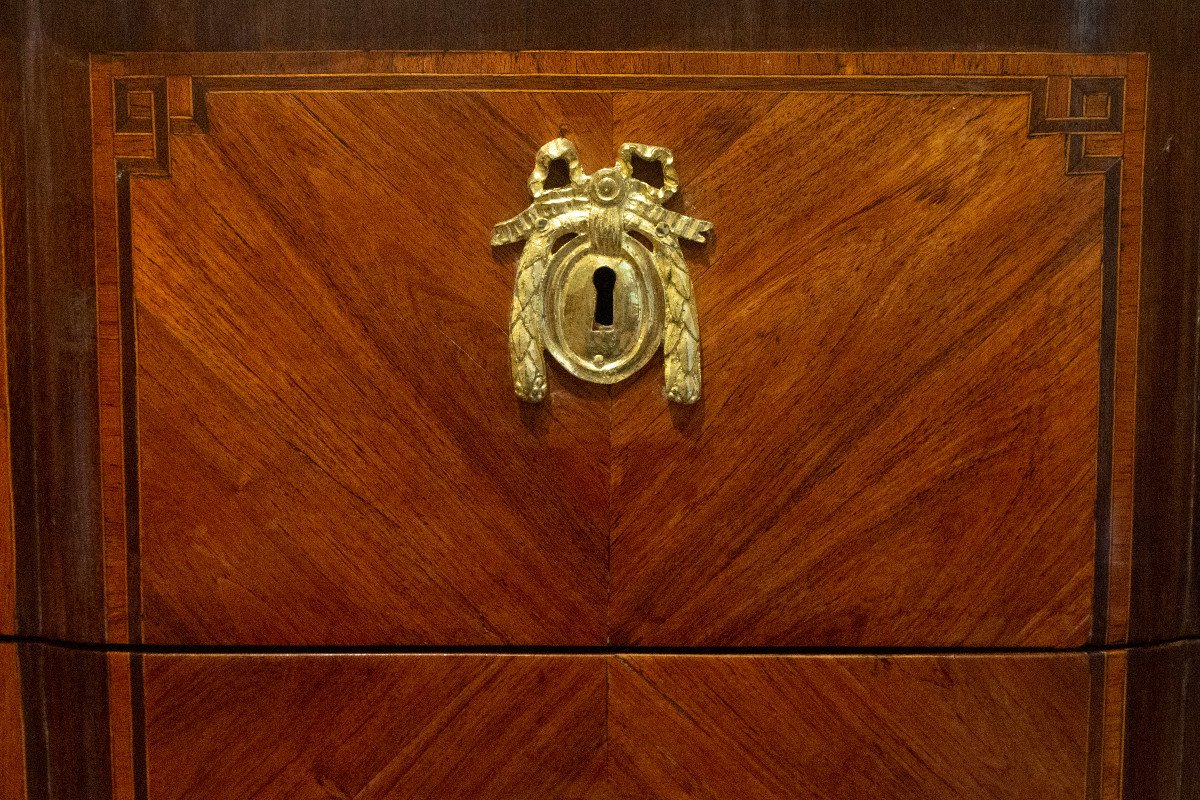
(577, 650)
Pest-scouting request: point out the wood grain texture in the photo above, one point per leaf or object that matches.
(1107, 751)
(12, 241)
(56, 36)
(65, 698)
(12, 726)
(110, 345)
(901, 442)
(640, 726)
(836, 728)
(1128, 293)
(329, 451)
(900, 321)
(663, 65)
(8, 540)
(637, 726)
(296, 727)
(273, 25)
(126, 740)
(1165, 583)
(1162, 740)
(54, 328)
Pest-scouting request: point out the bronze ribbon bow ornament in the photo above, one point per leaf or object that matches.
(588, 290)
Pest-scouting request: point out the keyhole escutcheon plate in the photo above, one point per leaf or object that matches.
(590, 291)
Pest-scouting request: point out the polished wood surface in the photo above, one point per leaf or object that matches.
(12, 256)
(900, 323)
(636, 726)
(352, 456)
(1129, 280)
(329, 452)
(50, 305)
(841, 728)
(1163, 722)
(12, 733)
(52, 339)
(444, 726)
(126, 727)
(8, 540)
(66, 705)
(932, 725)
(51, 295)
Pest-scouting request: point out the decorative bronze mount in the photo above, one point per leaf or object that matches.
(588, 290)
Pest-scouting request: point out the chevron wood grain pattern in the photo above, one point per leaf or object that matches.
(12, 732)
(315, 727)
(703, 727)
(330, 451)
(908, 434)
(846, 727)
(900, 315)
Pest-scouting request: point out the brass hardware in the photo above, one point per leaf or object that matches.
(588, 290)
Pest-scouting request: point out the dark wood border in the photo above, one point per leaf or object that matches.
(14, 358)
(1162, 739)
(12, 724)
(66, 704)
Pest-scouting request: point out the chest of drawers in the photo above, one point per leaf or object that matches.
(893, 549)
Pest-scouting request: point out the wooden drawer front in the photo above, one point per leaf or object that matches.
(697, 727)
(843, 728)
(373, 726)
(329, 449)
(901, 318)
(918, 322)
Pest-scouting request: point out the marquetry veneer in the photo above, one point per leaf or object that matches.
(918, 312)
(919, 316)
(631, 726)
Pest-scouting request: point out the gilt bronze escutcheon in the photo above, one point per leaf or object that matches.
(591, 291)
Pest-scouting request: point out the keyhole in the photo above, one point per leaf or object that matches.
(604, 279)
